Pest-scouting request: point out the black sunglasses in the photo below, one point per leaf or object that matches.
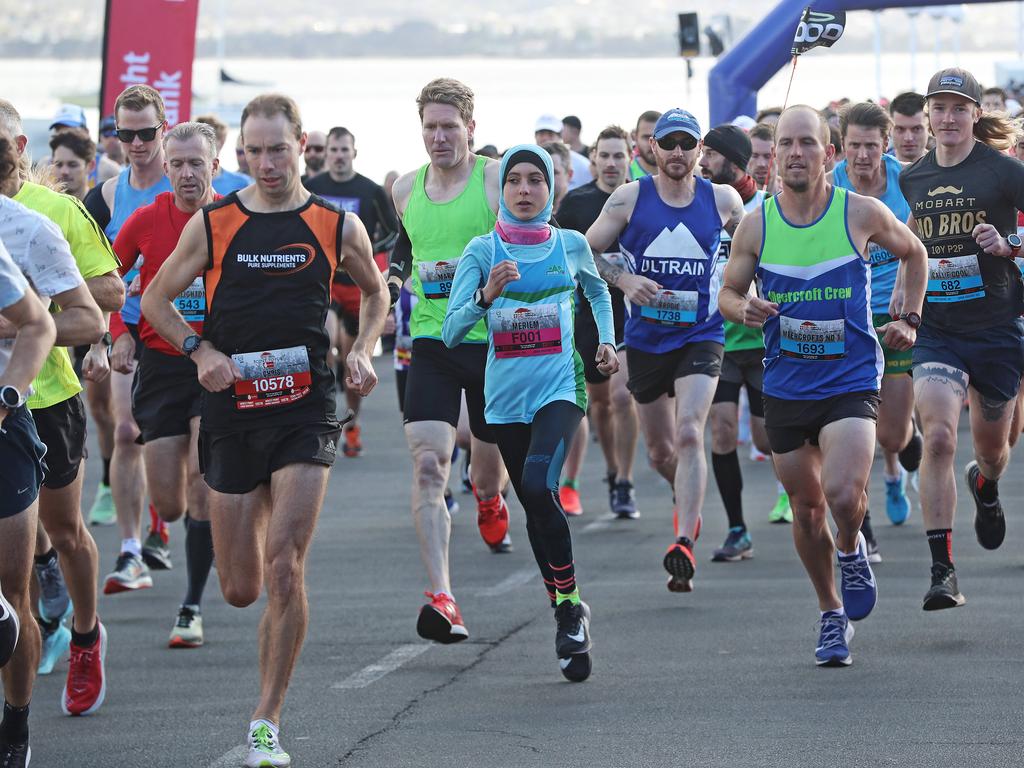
(127, 136)
(668, 143)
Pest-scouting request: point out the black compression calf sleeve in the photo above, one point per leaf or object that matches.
(726, 467)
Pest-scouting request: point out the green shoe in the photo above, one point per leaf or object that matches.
(102, 511)
(781, 512)
(264, 749)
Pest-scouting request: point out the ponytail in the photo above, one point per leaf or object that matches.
(999, 131)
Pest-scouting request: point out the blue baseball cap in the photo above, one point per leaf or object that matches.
(677, 120)
(70, 115)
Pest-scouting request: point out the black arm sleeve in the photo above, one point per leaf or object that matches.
(97, 207)
(400, 264)
(387, 222)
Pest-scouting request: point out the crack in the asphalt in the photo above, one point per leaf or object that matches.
(399, 716)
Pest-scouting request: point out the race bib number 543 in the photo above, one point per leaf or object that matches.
(272, 378)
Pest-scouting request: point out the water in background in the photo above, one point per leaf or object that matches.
(375, 98)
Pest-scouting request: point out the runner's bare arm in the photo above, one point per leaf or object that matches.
(604, 231)
(107, 291)
(734, 300)
(879, 226)
(492, 173)
(357, 258)
(401, 190)
(34, 339)
(730, 207)
(80, 320)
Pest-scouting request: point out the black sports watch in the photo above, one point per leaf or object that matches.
(190, 345)
(478, 297)
(1015, 244)
(108, 341)
(10, 397)
(912, 319)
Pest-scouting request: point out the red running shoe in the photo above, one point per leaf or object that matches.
(441, 621)
(680, 565)
(353, 445)
(87, 680)
(569, 498)
(492, 519)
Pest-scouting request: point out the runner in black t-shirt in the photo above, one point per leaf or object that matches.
(611, 405)
(352, 193)
(963, 198)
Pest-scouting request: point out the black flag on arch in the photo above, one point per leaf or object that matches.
(818, 28)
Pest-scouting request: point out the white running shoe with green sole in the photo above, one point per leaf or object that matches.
(264, 750)
(102, 511)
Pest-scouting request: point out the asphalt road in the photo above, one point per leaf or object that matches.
(723, 676)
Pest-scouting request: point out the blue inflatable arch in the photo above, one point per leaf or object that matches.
(734, 81)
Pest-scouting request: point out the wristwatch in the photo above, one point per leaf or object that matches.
(912, 319)
(108, 340)
(1015, 242)
(478, 297)
(10, 397)
(190, 345)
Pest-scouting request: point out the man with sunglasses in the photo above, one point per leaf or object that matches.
(315, 154)
(110, 147)
(139, 111)
(669, 228)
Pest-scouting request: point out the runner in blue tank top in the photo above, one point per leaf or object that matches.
(823, 363)
(669, 226)
(868, 171)
(522, 277)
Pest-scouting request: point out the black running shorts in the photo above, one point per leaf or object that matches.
(21, 463)
(791, 423)
(744, 367)
(61, 427)
(992, 358)
(239, 462)
(653, 375)
(586, 339)
(166, 395)
(437, 376)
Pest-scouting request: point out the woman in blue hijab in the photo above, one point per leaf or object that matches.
(522, 277)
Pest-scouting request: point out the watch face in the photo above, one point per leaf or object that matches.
(1014, 241)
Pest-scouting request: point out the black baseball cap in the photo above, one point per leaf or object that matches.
(957, 81)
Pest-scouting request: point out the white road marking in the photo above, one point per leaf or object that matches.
(513, 580)
(378, 669)
(600, 524)
(231, 759)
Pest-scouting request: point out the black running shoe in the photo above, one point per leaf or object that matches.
(572, 633)
(9, 629)
(15, 755)
(944, 592)
(989, 523)
(910, 456)
(624, 501)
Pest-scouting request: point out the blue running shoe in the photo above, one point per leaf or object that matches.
(56, 646)
(54, 602)
(860, 592)
(834, 641)
(738, 546)
(897, 505)
(450, 502)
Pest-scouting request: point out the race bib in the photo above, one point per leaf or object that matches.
(956, 278)
(812, 339)
(880, 257)
(526, 331)
(191, 302)
(272, 378)
(403, 351)
(674, 308)
(436, 278)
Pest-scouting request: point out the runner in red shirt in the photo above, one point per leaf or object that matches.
(166, 393)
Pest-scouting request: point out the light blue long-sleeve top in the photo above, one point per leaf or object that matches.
(531, 358)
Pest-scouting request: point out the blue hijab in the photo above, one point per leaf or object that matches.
(511, 228)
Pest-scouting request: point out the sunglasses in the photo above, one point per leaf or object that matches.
(127, 136)
(686, 141)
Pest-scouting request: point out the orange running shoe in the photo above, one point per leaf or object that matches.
(680, 565)
(492, 519)
(353, 446)
(569, 498)
(440, 620)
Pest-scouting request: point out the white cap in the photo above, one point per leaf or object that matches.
(548, 123)
(746, 122)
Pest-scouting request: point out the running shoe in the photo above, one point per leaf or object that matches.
(264, 749)
(86, 686)
(576, 668)
(737, 546)
(858, 586)
(15, 755)
(624, 501)
(440, 620)
(54, 602)
(944, 591)
(102, 511)
(504, 547)
(910, 456)
(156, 552)
(353, 445)
(756, 455)
(188, 629)
(897, 505)
(569, 498)
(467, 484)
(989, 523)
(492, 519)
(874, 553)
(450, 502)
(56, 644)
(834, 641)
(10, 628)
(129, 574)
(781, 512)
(679, 563)
(572, 629)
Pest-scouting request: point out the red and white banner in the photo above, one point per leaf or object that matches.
(150, 42)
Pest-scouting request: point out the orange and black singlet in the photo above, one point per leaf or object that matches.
(267, 291)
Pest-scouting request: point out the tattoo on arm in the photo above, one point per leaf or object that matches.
(609, 272)
(992, 410)
(931, 373)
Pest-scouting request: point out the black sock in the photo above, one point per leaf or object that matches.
(106, 472)
(988, 490)
(47, 557)
(940, 542)
(865, 526)
(14, 728)
(198, 558)
(85, 639)
(726, 467)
